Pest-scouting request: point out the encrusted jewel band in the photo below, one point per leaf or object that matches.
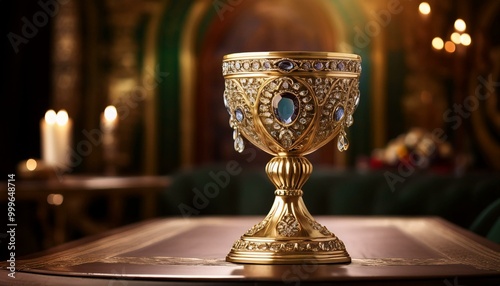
(285, 65)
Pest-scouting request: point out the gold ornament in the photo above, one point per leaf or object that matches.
(289, 104)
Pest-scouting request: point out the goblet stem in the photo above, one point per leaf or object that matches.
(288, 234)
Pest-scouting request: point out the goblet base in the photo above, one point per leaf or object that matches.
(289, 234)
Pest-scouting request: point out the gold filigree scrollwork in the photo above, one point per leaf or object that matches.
(287, 247)
(258, 227)
(322, 229)
(288, 226)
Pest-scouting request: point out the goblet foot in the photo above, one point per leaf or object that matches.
(289, 234)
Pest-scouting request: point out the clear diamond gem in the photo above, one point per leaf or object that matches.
(246, 65)
(239, 144)
(268, 121)
(285, 137)
(267, 65)
(356, 102)
(342, 143)
(256, 65)
(226, 104)
(349, 121)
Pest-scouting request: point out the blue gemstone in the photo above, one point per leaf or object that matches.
(285, 65)
(338, 113)
(239, 115)
(340, 66)
(286, 107)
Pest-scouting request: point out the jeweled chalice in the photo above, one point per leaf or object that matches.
(289, 104)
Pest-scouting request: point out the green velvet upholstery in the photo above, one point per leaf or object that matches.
(460, 200)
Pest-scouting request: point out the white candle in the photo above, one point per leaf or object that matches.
(65, 125)
(56, 138)
(109, 122)
(48, 131)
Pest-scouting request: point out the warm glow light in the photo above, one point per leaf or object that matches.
(465, 39)
(55, 199)
(449, 46)
(31, 164)
(437, 43)
(455, 37)
(50, 117)
(62, 117)
(424, 8)
(110, 113)
(460, 25)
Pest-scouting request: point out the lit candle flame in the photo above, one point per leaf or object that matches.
(424, 8)
(31, 164)
(460, 25)
(62, 117)
(50, 117)
(110, 113)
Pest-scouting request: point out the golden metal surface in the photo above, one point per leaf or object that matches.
(289, 104)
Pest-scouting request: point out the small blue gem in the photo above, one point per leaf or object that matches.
(338, 113)
(340, 66)
(239, 115)
(285, 65)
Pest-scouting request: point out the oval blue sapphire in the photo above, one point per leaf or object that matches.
(285, 65)
(239, 115)
(338, 113)
(286, 107)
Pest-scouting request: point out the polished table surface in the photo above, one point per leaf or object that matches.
(178, 251)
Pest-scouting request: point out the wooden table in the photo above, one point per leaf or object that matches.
(77, 191)
(384, 251)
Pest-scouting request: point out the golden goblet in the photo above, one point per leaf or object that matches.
(289, 104)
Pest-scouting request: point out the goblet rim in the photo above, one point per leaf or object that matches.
(292, 54)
